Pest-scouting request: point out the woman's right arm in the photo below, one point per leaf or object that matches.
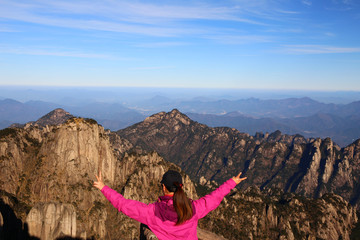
(211, 201)
(131, 208)
(134, 209)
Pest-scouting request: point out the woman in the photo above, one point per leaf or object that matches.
(173, 216)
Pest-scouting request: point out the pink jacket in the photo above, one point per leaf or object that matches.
(161, 217)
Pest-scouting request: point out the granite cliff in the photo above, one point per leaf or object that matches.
(47, 171)
(55, 164)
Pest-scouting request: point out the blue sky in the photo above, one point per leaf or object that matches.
(264, 44)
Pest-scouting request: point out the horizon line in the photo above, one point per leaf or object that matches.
(178, 87)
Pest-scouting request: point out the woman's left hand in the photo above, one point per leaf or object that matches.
(99, 184)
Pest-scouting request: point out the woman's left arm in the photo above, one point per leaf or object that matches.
(211, 201)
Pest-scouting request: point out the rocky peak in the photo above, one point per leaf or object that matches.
(356, 144)
(55, 117)
(176, 114)
(173, 116)
(277, 136)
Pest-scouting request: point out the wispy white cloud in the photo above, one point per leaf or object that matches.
(152, 68)
(287, 11)
(7, 29)
(146, 10)
(317, 49)
(135, 11)
(307, 2)
(50, 52)
(240, 39)
(161, 44)
(342, 5)
(93, 24)
(137, 17)
(285, 30)
(171, 19)
(118, 16)
(330, 34)
(346, 2)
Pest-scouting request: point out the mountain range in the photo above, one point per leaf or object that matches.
(297, 188)
(310, 167)
(310, 118)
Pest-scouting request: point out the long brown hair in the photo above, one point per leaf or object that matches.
(182, 204)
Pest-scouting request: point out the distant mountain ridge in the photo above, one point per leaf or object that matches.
(16, 112)
(282, 108)
(343, 130)
(277, 108)
(340, 122)
(112, 116)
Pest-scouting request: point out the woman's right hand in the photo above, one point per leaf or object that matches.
(99, 183)
(238, 179)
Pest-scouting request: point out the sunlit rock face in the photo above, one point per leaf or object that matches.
(52, 220)
(57, 164)
(255, 214)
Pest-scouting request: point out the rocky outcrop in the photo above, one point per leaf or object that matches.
(148, 169)
(207, 235)
(256, 214)
(310, 167)
(52, 220)
(57, 164)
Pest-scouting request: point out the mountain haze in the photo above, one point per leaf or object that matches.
(305, 116)
(110, 115)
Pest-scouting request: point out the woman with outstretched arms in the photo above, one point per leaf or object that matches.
(173, 215)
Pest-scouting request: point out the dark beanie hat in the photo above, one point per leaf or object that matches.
(169, 178)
